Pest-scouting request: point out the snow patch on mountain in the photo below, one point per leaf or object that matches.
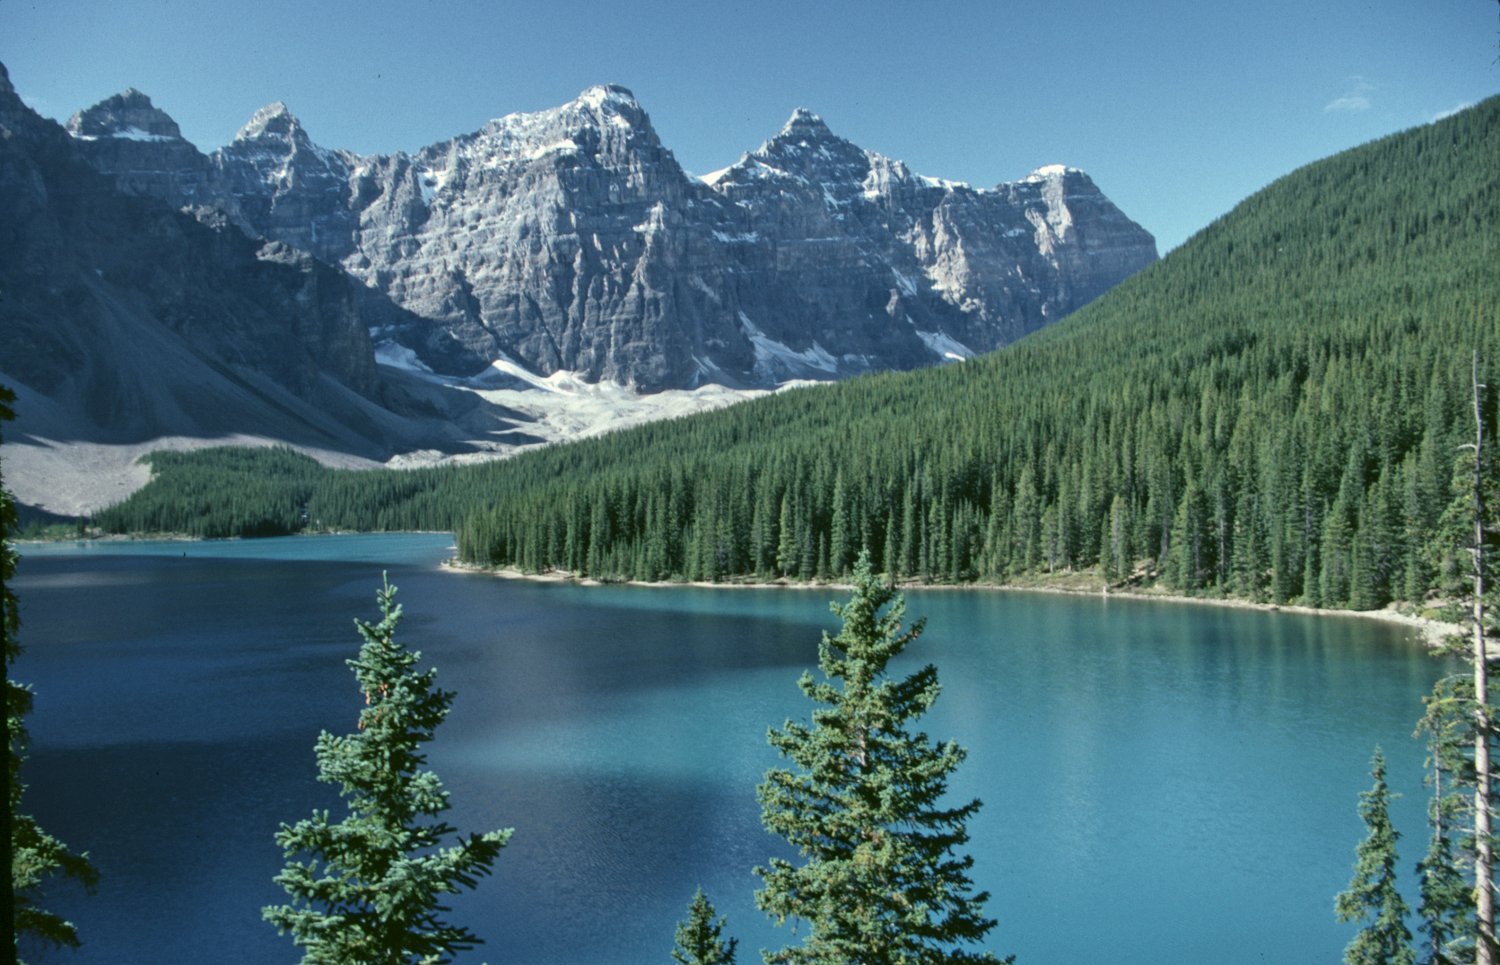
(565, 406)
(1050, 171)
(397, 356)
(945, 347)
(130, 134)
(778, 360)
(571, 240)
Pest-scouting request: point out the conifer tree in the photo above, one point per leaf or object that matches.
(1465, 550)
(1117, 558)
(1372, 896)
(1446, 907)
(34, 855)
(1483, 530)
(699, 940)
(880, 880)
(371, 889)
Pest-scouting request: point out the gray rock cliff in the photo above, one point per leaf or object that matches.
(130, 320)
(142, 147)
(571, 239)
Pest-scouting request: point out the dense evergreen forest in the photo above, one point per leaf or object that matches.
(1271, 412)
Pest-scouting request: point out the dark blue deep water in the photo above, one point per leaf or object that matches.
(1162, 783)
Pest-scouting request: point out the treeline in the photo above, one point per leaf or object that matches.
(1271, 412)
(231, 492)
(1456, 877)
(228, 491)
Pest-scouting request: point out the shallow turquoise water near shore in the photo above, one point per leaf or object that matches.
(1162, 783)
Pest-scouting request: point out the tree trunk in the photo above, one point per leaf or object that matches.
(1484, 892)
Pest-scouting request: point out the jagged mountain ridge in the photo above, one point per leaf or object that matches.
(123, 320)
(571, 239)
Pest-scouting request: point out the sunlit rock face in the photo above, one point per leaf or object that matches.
(135, 320)
(571, 240)
(142, 147)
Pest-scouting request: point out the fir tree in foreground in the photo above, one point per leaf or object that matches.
(1446, 904)
(1457, 906)
(879, 881)
(698, 938)
(370, 891)
(1372, 896)
(35, 856)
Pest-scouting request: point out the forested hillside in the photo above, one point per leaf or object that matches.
(1272, 412)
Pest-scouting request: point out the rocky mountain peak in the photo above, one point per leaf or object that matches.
(138, 144)
(286, 187)
(612, 94)
(804, 150)
(1053, 172)
(805, 124)
(5, 85)
(128, 114)
(275, 121)
(604, 112)
(569, 239)
(613, 110)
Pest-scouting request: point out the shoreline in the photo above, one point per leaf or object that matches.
(1432, 634)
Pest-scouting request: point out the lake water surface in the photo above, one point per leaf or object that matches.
(1162, 783)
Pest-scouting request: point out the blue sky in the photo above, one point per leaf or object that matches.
(1177, 109)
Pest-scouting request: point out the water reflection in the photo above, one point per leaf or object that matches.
(1159, 781)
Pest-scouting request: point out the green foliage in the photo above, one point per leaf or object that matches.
(220, 492)
(1264, 413)
(880, 881)
(1372, 896)
(698, 938)
(274, 491)
(1446, 906)
(1452, 723)
(1268, 412)
(35, 856)
(1453, 551)
(370, 891)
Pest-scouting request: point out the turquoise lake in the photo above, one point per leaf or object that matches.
(1162, 783)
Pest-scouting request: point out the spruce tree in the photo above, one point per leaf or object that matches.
(371, 889)
(699, 940)
(880, 880)
(1446, 906)
(1469, 536)
(34, 855)
(1372, 896)
(1482, 527)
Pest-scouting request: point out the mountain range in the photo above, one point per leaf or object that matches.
(571, 240)
(1278, 411)
(370, 305)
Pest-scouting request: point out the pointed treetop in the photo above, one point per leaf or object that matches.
(699, 938)
(370, 887)
(880, 878)
(1372, 896)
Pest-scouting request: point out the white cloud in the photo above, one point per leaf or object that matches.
(1440, 115)
(1349, 102)
(1355, 98)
